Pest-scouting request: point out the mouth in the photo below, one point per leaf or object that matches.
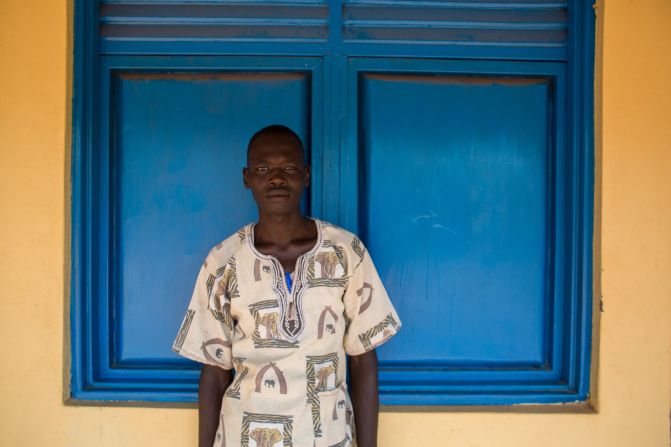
(277, 193)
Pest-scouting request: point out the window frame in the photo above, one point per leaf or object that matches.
(95, 59)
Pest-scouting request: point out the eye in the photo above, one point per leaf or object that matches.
(290, 168)
(261, 169)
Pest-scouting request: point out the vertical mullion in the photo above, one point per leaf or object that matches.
(334, 91)
(331, 152)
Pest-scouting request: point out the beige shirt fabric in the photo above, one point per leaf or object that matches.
(287, 347)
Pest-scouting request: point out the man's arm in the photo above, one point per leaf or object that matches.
(363, 382)
(211, 388)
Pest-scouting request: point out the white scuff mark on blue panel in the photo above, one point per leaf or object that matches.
(443, 227)
(431, 216)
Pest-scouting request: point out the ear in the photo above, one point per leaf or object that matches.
(245, 177)
(308, 171)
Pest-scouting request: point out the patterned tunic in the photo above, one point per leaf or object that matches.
(287, 347)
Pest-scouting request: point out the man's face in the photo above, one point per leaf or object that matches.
(276, 174)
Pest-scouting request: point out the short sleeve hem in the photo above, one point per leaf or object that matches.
(364, 349)
(200, 358)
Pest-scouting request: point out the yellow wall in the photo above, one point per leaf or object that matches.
(634, 375)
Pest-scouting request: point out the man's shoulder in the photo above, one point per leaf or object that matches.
(336, 234)
(227, 248)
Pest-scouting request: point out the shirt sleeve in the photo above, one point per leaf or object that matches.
(371, 317)
(206, 333)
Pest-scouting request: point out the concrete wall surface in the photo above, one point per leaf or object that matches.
(633, 224)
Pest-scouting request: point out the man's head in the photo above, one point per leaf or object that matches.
(276, 172)
(275, 133)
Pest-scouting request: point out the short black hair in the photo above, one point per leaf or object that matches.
(276, 129)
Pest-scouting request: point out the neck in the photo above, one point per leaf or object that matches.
(281, 229)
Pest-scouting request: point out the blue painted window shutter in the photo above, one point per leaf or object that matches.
(455, 138)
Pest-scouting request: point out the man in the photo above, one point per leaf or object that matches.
(281, 302)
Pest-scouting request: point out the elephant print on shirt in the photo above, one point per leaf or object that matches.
(323, 376)
(276, 373)
(269, 322)
(328, 262)
(266, 437)
(266, 332)
(326, 322)
(266, 430)
(328, 268)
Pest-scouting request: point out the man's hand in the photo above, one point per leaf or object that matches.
(211, 388)
(363, 383)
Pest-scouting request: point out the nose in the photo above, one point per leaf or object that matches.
(277, 177)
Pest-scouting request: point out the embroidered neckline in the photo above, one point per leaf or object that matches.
(290, 298)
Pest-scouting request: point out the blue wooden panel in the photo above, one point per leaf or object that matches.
(467, 167)
(454, 209)
(158, 184)
(180, 144)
